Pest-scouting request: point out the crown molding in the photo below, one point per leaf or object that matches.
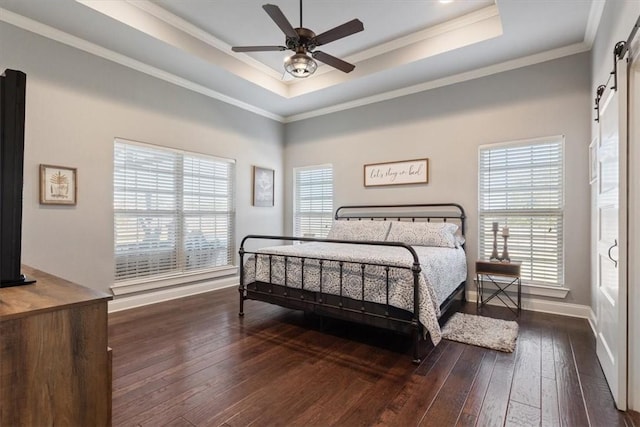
(437, 30)
(446, 81)
(92, 48)
(150, 25)
(76, 42)
(593, 22)
(198, 33)
(461, 33)
(455, 24)
(401, 42)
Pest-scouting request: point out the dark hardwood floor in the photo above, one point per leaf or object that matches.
(195, 362)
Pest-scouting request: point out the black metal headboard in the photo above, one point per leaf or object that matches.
(411, 212)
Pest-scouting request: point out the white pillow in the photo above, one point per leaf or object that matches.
(439, 234)
(359, 230)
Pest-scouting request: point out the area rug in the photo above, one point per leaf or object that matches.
(482, 331)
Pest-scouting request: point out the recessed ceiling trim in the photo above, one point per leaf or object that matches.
(459, 23)
(440, 42)
(167, 27)
(148, 24)
(78, 43)
(462, 22)
(446, 81)
(197, 32)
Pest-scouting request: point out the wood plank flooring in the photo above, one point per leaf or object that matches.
(194, 362)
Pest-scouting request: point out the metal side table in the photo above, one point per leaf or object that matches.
(487, 271)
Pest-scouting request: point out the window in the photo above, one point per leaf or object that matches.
(521, 185)
(313, 201)
(174, 212)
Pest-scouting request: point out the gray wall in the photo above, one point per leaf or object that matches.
(95, 100)
(76, 105)
(447, 125)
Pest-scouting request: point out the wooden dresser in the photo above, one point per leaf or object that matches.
(55, 366)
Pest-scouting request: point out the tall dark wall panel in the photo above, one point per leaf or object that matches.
(12, 119)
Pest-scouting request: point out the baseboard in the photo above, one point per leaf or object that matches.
(544, 306)
(528, 303)
(593, 322)
(162, 295)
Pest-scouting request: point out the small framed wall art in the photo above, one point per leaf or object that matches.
(58, 185)
(397, 173)
(263, 186)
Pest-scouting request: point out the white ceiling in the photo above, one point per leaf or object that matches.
(407, 45)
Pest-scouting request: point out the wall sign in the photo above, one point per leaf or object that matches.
(397, 173)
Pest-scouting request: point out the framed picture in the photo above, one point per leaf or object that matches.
(58, 185)
(593, 161)
(263, 183)
(397, 173)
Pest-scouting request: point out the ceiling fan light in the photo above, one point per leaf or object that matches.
(300, 65)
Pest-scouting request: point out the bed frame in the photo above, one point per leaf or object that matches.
(359, 311)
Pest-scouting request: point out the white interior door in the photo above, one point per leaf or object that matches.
(611, 269)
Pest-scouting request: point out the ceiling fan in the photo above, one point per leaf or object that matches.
(303, 42)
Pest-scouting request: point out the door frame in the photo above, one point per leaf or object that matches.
(633, 331)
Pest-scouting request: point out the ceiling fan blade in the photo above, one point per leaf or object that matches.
(281, 21)
(257, 48)
(333, 61)
(344, 30)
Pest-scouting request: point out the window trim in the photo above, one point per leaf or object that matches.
(557, 290)
(174, 278)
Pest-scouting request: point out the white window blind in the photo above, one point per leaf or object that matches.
(173, 211)
(521, 185)
(313, 201)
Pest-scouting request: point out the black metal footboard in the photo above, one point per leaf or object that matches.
(339, 306)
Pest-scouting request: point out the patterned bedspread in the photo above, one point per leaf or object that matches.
(443, 269)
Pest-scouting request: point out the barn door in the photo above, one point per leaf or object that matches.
(611, 269)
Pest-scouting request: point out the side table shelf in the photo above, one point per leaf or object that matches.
(487, 271)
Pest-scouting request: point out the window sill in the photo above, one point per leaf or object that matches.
(146, 284)
(532, 289)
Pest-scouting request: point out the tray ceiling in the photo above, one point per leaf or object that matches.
(407, 45)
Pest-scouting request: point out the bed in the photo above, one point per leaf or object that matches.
(398, 267)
